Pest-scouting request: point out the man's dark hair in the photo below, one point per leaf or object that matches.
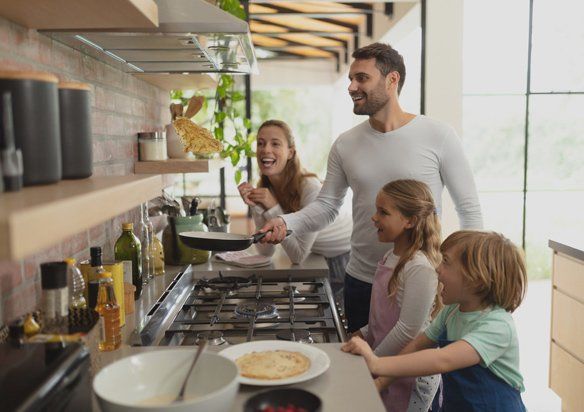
(387, 59)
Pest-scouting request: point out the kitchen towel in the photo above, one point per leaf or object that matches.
(243, 259)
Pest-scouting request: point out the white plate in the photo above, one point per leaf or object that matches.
(319, 360)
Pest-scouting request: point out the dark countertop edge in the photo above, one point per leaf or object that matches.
(566, 249)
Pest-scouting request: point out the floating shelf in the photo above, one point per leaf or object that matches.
(81, 14)
(178, 166)
(173, 81)
(40, 216)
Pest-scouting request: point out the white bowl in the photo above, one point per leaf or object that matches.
(128, 384)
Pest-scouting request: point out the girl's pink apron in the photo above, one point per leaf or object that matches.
(383, 315)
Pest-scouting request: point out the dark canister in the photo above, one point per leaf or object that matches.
(35, 107)
(75, 121)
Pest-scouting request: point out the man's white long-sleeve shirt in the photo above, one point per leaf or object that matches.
(365, 159)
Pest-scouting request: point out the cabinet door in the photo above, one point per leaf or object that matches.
(566, 377)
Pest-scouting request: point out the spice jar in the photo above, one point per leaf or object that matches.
(152, 146)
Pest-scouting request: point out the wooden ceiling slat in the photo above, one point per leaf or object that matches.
(304, 23)
(265, 41)
(259, 27)
(311, 40)
(316, 7)
(258, 8)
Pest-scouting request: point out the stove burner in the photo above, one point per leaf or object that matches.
(300, 335)
(264, 310)
(214, 338)
(225, 283)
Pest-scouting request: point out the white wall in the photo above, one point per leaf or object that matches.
(444, 77)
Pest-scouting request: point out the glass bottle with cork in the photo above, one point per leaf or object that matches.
(109, 314)
(55, 298)
(129, 249)
(95, 270)
(146, 233)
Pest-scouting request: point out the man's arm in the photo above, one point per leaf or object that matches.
(458, 179)
(318, 214)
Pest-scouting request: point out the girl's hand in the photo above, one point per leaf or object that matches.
(264, 197)
(357, 334)
(358, 346)
(245, 190)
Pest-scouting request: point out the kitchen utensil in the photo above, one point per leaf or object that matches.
(75, 123)
(181, 395)
(35, 108)
(319, 360)
(194, 106)
(10, 157)
(157, 375)
(276, 398)
(219, 241)
(194, 206)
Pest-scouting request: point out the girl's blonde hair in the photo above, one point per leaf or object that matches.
(288, 194)
(492, 265)
(414, 200)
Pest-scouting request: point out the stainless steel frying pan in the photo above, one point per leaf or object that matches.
(219, 241)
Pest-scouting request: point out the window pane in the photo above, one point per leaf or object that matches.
(509, 222)
(556, 145)
(495, 46)
(493, 138)
(549, 213)
(557, 53)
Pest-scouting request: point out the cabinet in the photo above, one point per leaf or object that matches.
(81, 14)
(567, 328)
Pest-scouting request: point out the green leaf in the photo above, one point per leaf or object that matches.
(237, 176)
(234, 158)
(247, 123)
(237, 96)
(220, 116)
(218, 132)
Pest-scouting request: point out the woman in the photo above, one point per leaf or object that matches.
(285, 187)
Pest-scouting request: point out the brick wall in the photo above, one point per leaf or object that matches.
(121, 107)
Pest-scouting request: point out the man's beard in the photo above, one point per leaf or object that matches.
(374, 103)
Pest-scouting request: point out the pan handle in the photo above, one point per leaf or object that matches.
(258, 236)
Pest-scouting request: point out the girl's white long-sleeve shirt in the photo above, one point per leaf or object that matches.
(415, 294)
(364, 160)
(333, 240)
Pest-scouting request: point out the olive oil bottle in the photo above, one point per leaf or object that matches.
(128, 248)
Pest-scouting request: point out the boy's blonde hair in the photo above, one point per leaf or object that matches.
(492, 264)
(414, 200)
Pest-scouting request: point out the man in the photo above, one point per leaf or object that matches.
(390, 145)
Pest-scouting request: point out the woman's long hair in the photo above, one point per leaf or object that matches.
(288, 193)
(414, 200)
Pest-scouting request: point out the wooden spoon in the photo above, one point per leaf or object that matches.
(195, 105)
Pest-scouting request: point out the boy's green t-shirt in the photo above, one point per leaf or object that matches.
(491, 332)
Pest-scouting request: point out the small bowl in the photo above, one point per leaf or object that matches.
(282, 398)
(130, 383)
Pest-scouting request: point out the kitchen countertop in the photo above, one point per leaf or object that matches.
(345, 370)
(345, 386)
(570, 247)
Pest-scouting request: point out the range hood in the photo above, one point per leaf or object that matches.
(193, 36)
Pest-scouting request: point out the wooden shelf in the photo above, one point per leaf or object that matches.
(81, 14)
(178, 166)
(173, 81)
(40, 216)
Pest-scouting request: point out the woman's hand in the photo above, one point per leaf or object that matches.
(264, 197)
(245, 190)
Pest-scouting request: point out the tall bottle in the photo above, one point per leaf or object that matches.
(109, 314)
(76, 285)
(95, 271)
(55, 297)
(146, 233)
(128, 248)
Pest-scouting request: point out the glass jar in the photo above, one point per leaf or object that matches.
(152, 146)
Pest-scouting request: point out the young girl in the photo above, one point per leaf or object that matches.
(484, 280)
(404, 290)
(285, 187)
